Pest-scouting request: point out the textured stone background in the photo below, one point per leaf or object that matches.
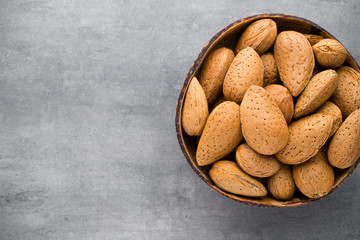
(88, 148)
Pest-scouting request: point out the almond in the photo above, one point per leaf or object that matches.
(195, 110)
(222, 133)
(329, 53)
(281, 185)
(263, 124)
(255, 164)
(306, 137)
(316, 93)
(347, 94)
(271, 74)
(313, 39)
(344, 148)
(283, 99)
(260, 35)
(246, 69)
(213, 72)
(228, 176)
(334, 111)
(295, 60)
(314, 178)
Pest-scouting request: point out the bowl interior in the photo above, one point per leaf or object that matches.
(228, 37)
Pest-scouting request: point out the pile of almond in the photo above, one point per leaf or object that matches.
(284, 104)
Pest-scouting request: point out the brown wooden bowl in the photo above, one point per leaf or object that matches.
(228, 37)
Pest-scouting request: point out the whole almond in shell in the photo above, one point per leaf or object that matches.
(195, 110)
(314, 178)
(344, 148)
(313, 38)
(306, 137)
(281, 185)
(295, 60)
(316, 93)
(271, 74)
(335, 112)
(256, 164)
(263, 124)
(246, 69)
(222, 133)
(260, 35)
(213, 72)
(347, 94)
(228, 176)
(283, 99)
(329, 53)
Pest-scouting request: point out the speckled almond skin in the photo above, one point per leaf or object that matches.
(222, 133)
(213, 72)
(271, 74)
(281, 185)
(283, 99)
(260, 35)
(255, 164)
(295, 60)
(316, 93)
(313, 39)
(329, 53)
(314, 178)
(306, 137)
(195, 110)
(263, 124)
(228, 176)
(246, 69)
(334, 111)
(344, 148)
(347, 94)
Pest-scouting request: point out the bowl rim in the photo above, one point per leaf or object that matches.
(189, 75)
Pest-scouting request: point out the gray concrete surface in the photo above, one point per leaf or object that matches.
(87, 140)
